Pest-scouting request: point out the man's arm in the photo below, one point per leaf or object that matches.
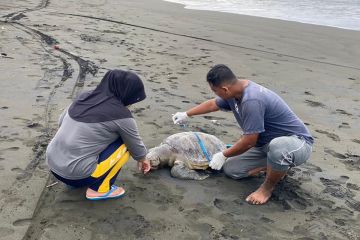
(202, 108)
(253, 124)
(205, 107)
(245, 143)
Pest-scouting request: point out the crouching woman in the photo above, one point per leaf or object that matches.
(96, 136)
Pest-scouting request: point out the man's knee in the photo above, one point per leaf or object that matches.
(282, 152)
(233, 170)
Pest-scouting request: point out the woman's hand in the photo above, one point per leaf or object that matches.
(144, 166)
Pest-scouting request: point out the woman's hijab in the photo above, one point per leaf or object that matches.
(108, 101)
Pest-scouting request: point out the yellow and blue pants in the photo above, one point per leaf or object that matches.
(110, 162)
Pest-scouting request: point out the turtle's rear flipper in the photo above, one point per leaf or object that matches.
(180, 170)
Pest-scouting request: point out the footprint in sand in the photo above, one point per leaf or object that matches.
(266, 220)
(172, 106)
(333, 136)
(312, 167)
(335, 188)
(303, 176)
(334, 154)
(11, 149)
(344, 125)
(154, 124)
(138, 110)
(228, 205)
(290, 195)
(352, 203)
(340, 111)
(182, 73)
(351, 161)
(353, 186)
(305, 173)
(22, 222)
(314, 103)
(4, 107)
(17, 170)
(343, 179)
(33, 125)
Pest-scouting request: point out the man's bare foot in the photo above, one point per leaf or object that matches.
(91, 193)
(260, 196)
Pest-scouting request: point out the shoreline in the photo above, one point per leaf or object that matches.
(271, 18)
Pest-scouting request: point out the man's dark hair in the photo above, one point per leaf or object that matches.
(220, 74)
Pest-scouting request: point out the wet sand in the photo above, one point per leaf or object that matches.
(315, 69)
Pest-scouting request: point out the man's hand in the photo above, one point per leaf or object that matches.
(180, 118)
(217, 161)
(144, 166)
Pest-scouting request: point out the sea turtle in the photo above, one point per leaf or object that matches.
(184, 153)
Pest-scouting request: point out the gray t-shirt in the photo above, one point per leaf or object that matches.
(73, 152)
(262, 111)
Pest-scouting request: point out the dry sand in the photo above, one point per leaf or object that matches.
(315, 69)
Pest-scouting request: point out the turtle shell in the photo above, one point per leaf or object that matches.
(187, 148)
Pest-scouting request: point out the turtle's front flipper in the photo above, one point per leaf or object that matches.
(180, 170)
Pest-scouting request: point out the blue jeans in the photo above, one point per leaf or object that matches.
(281, 154)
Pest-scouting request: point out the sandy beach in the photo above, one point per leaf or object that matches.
(315, 69)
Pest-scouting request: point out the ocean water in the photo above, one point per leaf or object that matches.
(334, 13)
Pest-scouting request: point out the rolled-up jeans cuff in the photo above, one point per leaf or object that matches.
(278, 167)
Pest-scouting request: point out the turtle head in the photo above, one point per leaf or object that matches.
(158, 156)
(154, 158)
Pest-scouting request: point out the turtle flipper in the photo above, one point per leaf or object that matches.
(180, 170)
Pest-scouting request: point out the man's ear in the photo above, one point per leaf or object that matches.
(226, 90)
